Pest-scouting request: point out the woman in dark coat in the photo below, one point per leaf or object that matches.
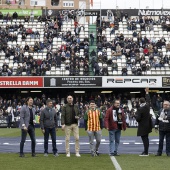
(144, 120)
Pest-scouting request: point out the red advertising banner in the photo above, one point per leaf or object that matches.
(21, 82)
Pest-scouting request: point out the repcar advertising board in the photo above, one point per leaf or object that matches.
(132, 81)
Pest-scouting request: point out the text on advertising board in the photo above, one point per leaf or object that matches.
(21, 82)
(132, 81)
(135, 80)
(72, 81)
(153, 12)
(165, 81)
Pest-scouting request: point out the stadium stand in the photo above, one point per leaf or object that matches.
(59, 46)
(139, 45)
(44, 46)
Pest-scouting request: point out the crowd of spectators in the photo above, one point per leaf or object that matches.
(67, 53)
(10, 105)
(143, 49)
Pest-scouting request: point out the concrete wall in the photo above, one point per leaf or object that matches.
(3, 5)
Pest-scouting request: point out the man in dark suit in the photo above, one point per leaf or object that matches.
(48, 123)
(27, 121)
(143, 118)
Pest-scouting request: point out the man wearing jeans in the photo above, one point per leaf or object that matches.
(69, 121)
(27, 121)
(114, 123)
(48, 123)
(93, 125)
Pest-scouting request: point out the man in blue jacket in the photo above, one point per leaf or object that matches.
(48, 123)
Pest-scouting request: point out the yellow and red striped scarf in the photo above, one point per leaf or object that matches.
(93, 123)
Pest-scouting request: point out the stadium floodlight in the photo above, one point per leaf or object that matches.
(160, 92)
(79, 91)
(133, 92)
(106, 91)
(35, 91)
(24, 91)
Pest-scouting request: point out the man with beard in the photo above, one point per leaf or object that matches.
(114, 123)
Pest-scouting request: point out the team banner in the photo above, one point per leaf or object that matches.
(131, 81)
(79, 12)
(73, 82)
(20, 12)
(165, 81)
(139, 12)
(21, 82)
(105, 12)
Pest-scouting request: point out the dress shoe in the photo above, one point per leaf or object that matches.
(144, 154)
(22, 155)
(116, 154)
(34, 155)
(112, 154)
(158, 154)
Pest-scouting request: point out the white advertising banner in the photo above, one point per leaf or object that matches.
(131, 81)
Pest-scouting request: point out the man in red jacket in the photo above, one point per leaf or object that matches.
(114, 123)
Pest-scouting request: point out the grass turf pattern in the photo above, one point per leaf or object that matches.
(17, 132)
(151, 162)
(85, 162)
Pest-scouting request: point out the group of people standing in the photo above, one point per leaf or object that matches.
(114, 122)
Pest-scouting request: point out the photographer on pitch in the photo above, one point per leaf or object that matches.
(162, 124)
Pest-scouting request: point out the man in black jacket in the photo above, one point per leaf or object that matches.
(69, 121)
(143, 118)
(48, 123)
(163, 124)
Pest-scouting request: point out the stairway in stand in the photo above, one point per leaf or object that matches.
(92, 28)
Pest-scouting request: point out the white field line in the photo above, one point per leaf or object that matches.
(115, 163)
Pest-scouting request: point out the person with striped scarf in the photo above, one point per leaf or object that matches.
(93, 125)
